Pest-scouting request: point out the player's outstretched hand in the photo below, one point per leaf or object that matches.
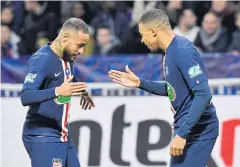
(127, 79)
(86, 101)
(177, 146)
(69, 88)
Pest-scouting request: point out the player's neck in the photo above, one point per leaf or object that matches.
(55, 46)
(167, 41)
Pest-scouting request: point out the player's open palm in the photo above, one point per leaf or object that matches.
(127, 79)
(69, 88)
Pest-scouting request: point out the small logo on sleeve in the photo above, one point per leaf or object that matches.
(30, 78)
(194, 71)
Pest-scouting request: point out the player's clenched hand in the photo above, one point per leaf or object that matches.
(128, 78)
(86, 101)
(69, 88)
(177, 145)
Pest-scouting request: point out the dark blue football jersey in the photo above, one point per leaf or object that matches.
(183, 70)
(47, 116)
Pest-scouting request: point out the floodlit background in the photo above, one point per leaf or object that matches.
(128, 127)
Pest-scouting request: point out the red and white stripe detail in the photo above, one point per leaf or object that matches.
(66, 106)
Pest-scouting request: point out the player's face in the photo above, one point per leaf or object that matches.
(149, 37)
(75, 46)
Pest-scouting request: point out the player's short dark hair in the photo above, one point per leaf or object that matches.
(155, 15)
(76, 24)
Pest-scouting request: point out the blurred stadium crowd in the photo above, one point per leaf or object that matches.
(214, 26)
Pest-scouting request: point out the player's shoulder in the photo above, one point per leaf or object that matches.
(185, 47)
(183, 43)
(41, 58)
(42, 55)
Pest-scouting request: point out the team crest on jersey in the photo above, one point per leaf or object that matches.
(67, 71)
(30, 78)
(194, 71)
(171, 92)
(62, 99)
(57, 162)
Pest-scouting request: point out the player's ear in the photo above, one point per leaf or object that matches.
(66, 37)
(153, 32)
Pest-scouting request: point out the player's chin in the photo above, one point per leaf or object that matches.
(73, 58)
(152, 49)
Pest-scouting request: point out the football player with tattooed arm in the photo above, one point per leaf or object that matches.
(47, 90)
(196, 125)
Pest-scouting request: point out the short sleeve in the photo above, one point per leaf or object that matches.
(36, 73)
(190, 64)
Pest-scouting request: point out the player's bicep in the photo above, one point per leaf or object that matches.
(35, 76)
(190, 65)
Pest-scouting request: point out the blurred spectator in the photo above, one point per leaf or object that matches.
(66, 7)
(235, 44)
(18, 12)
(12, 13)
(133, 45)
(7, 15)
(11, 44)
(89, 48)
(107, 43)
(78, 9)
(116, 19)
(187, 25)
(38, 19)
(139, 7)
(41, 40)
(81, 10)
(225, 11)
(200, 8)
(212, 37)
(173, 9)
